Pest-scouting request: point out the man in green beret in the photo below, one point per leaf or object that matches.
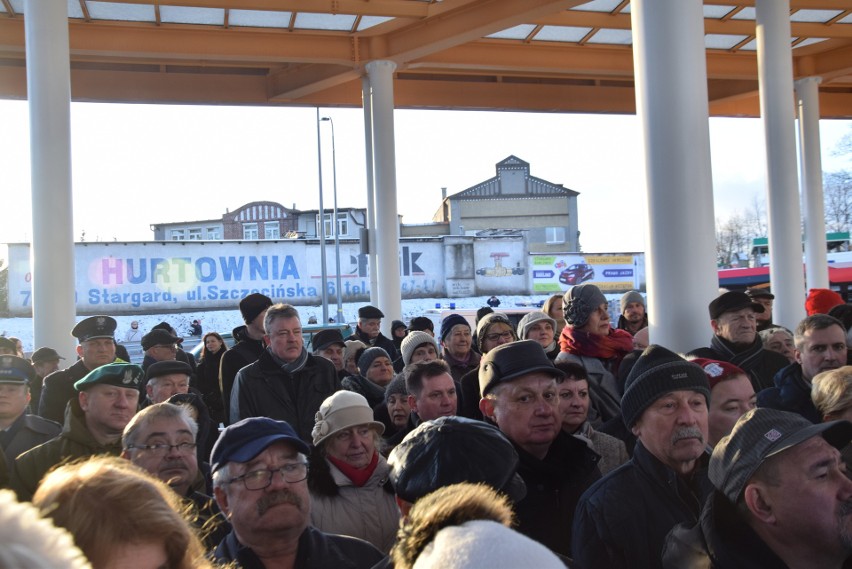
(107, 399)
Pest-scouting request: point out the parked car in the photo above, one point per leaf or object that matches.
(576, 274)
(308, 331)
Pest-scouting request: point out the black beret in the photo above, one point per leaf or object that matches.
(325, 338)
(730, 302)
(95, 327)
(370, 312)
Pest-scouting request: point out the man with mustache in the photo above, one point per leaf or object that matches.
(260, 470)
(622, 521)
(519, 395)
(781, 498)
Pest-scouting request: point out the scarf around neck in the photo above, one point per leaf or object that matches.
(291, 367)
(358, 476)
(745, 359)
(614, 346)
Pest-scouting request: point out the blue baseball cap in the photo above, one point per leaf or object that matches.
(246, 439)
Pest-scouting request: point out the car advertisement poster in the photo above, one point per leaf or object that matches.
(610, 272)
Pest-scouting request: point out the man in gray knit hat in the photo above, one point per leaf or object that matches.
(622, 521)
(633, 317)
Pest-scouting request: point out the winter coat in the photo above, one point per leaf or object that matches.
(75, 441)
(59, 389)
(28, 431)
(554, 486)
(382, 341)
(623, 324)
(612, 451)
(790, 393)
(264, 389)
(244, 352)
(622, 521)
(372, 392)
(603, 388)
(458, 368)
(338, 506)
(207, 384)
(760, 364)
(316, 550)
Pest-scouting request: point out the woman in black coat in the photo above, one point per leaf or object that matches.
(208, 375)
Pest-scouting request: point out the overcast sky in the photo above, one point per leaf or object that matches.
(135, 165)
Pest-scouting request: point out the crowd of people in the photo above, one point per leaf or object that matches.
(561, 440)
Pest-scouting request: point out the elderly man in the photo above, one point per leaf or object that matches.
(633, 314)
(781, 498)
(432, 393)
(369, 331)
(45, 361)
(286, 382)
(96, 337)
(249, 344)
(19, 431)
(519, 395)
(260, 470)
(107, 400)
(329, 344)
(165, 379)
(161, 439)
(820, 342)
(731, 396)
(160, 346)
(622, 521)
(735, 339)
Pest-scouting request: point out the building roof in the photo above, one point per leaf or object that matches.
(493, 187)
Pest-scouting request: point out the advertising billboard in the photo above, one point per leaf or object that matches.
(610, 272)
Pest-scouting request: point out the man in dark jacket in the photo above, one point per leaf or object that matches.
(518, 384)
(96, 336)
(45, 361)
(330, 345)
(634, 316)
(259, 477)
(286, 382)
(735, 339)
(249, 344)
(622, 521)
(781, 499)
(369, 331)
(820, 346)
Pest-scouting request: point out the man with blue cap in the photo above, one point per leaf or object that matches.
(107, 399)
(260, 472)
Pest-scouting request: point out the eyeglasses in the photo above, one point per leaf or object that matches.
(170, 347)
(260, 479)
(508, 335)
(163, 450)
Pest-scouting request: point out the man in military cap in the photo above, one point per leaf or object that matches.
(106, 401)
(96, 337)
(165, 379)
(45, 361)
(369, 331)
(19, 431)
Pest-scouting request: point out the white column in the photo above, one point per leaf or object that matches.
(775, 73)
(671, 101)
(366, 96)
(813, 204)
(52, 252)
(387, 225)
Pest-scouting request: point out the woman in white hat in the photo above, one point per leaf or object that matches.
(348, 477)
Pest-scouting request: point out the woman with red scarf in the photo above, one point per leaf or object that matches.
(589, 340)
(348, 477)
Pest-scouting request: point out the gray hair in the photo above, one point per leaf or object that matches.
(157, 411)
(279, 310)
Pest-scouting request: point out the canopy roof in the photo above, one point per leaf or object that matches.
(535, 55)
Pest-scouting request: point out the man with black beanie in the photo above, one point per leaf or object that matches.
(622, 520)
(249, 345)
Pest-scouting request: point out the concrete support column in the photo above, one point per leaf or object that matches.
(775, 73)
(389, 297)
(366, 97)
(52, 251)
(813, 204)
(671, 101)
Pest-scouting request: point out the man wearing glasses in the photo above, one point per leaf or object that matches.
(259, 478)
(160, 346)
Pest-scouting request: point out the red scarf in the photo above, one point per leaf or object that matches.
(358, 476)
(613, 347)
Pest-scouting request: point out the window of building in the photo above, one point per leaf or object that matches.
(214, 233)
(555, 235)
(178, 234)
(249, 231)
(342, 224)
(195, 234)
(271, 230)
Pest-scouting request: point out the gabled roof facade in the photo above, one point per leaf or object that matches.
(504, 185)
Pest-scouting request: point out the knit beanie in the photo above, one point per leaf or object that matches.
(821, 300)
(414, 340)
(659, 371)
(396, 387)
(451, 321)
(366, 359)
(252, 305)
(487, 322)
(632, 296)
(531, 318)
(579, 302)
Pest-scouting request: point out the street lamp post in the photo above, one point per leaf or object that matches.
(321, 227)
(339, 317)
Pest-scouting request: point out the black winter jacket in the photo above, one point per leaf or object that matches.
(622, 521)
(760, 364)
(59, 389)
(790, 393)
(244, 352)
(263, 389)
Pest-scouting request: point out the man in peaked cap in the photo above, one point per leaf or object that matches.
(106, 401)
(329, 344)
(762, 296)
(164, 379)
(96, 337)
(665, 482)
(733, 318)
(781, 498)
(369, 331)
(519, 395)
